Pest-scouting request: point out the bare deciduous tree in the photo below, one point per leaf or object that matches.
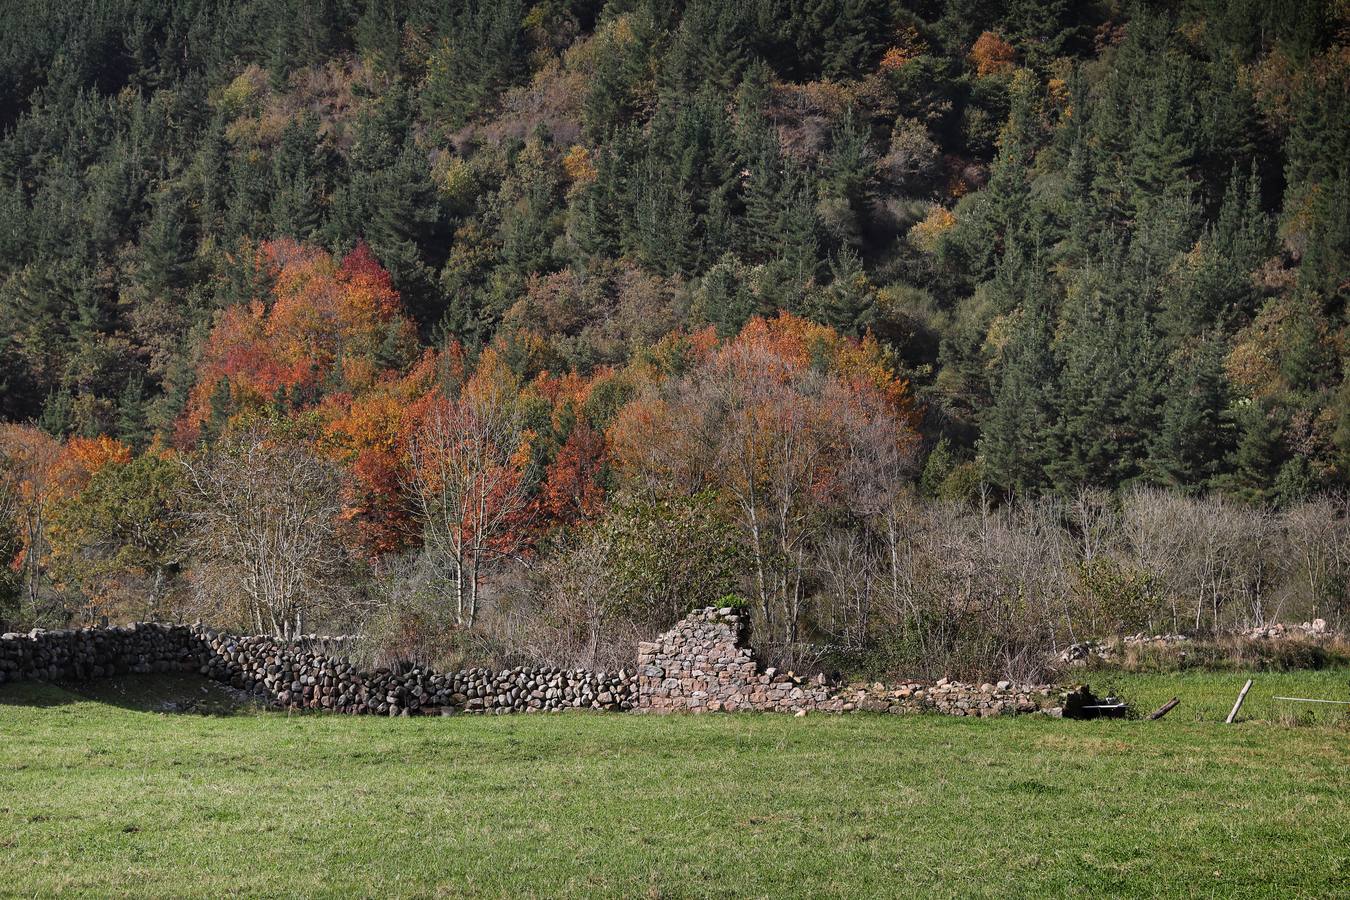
(1153, 526)
(1217, 560)
(263, 531)
(1318, 536)
(979, 592)
(574, 620)
(467, 491)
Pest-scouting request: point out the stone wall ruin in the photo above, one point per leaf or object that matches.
(702, 664)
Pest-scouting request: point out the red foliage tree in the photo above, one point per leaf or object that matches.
(325, 325)
(572, 489)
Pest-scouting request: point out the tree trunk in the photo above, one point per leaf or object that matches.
(473, 590)
(459, 592)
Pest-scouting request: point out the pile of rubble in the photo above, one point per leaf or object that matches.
(1112, 650)
(703, 665)
(1314, 630)
(1085, 652)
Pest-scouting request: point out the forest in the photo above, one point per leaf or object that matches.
(937, 334)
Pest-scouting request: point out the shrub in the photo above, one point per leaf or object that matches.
(733, 601)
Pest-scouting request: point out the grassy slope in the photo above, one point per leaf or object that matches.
(104, 798)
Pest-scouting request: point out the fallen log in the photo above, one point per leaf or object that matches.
(1164, 709)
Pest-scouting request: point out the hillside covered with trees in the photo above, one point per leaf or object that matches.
(938, 333)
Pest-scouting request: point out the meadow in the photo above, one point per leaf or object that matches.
(105, 793)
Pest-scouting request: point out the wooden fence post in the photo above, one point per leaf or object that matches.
(1242, 695)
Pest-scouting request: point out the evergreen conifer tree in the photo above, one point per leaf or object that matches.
(1193, 439)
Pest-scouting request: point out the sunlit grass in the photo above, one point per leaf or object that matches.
(102, 797)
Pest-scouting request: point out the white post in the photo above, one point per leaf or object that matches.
(1242, 695)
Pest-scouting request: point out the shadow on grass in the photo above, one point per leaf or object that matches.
(173, 693)
(34, 694)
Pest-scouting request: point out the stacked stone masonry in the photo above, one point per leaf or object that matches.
(700, 665)
(703, 665)
(305, 674)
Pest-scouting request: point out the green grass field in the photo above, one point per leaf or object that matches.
(102, 794)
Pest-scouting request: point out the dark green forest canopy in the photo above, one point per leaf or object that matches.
(1107, 243)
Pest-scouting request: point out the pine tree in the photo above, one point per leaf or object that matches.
(167, 245)
(1318, 142)
(402, 230)
(1084, 219)
(594, 219)
(723, 298)
(622, 65)
(378, 33)
(991, 221)
(1016, 428)
(14, 235)
(1243, 230)
(1259, 453)
(1340, 436)
(1193, 440)
(1326, 261)
(796, 228)
(57, 417)
(846, 190)
(132, 425)
(211, 179)
(940, 463)
(1110, 383)
(1307, 359)
(297, 181)
(765, 187)
(1129, 134)
(663, 236)
(711, 47)
(483, 52)
(1042, 29)
(250, 186)
(848, 302)
(528, 210)
(854, 38)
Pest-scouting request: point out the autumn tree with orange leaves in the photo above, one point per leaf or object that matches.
(572, 490)
(327, 327)
(775, 420)
(367, 435)
(41, 473)
(992, 55)
(29, 457)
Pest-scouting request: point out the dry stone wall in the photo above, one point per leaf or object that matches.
(97, 652)
(296, 674)
(306, 673)
(703, 665)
